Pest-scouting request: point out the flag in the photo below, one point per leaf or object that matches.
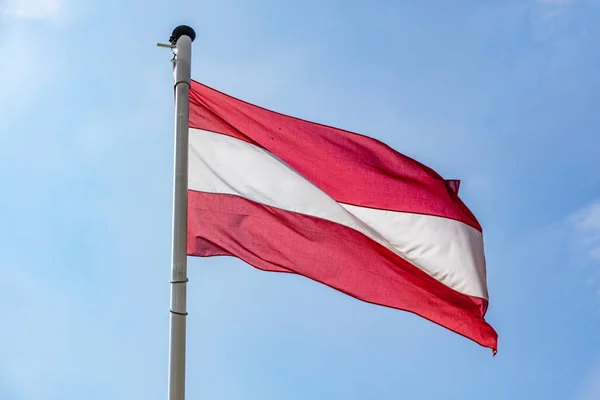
(343, 209)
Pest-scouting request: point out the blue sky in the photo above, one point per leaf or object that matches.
(502, 94)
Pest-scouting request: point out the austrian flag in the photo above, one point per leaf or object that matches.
(345, 210)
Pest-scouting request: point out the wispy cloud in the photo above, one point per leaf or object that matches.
(33, 9)
(550, 18)
(21, 78)
(583, 227)
(586, 227)
(25, 73)
(555, 2)
(590, 388)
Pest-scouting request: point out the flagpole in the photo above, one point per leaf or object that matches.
(181, 42)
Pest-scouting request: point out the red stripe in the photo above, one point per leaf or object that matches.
(340, 257)
(349, 167)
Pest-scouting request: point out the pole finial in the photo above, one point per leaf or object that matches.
(180, 31)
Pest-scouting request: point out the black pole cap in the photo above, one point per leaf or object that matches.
(180, 31)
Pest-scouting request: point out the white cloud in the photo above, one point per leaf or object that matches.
(33, 9)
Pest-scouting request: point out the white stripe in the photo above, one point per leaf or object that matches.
(448, 250)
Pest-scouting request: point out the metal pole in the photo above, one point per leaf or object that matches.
(181, 39)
